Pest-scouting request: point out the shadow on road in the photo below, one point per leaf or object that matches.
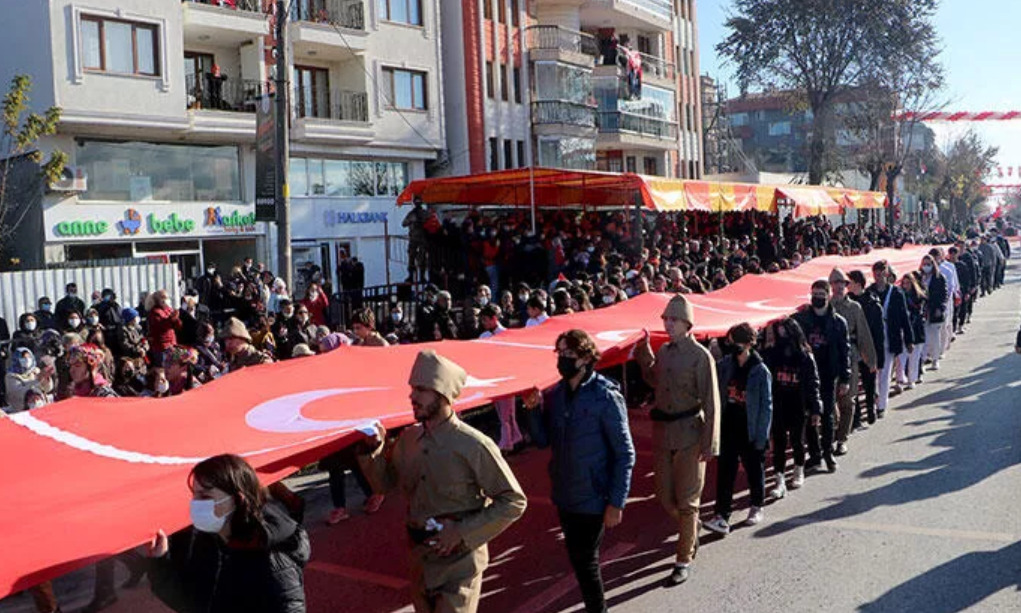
(955, 586)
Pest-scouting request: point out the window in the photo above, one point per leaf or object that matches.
(137, 171)
(297, 176)
(632, 165)
(487, 9)
(123, 47)
(494, 155)
(401, 11)
(739, 119)
(346, 178)
(517, 84)
(490, 87)
(780, 128)
(312, 92)
(504, 84)
(406, 89)
(649, 166)
(501, 6)
(514, 13)
(521, 154)
(508, 154)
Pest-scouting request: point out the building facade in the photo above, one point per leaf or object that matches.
(159, 103)
(599, 84)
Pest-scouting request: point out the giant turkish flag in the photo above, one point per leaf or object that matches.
(90, 477)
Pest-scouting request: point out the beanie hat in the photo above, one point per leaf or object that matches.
(301, 350)
(235, 329)
(680, 308)
(128, 314)
(435, 372)
(838, 276)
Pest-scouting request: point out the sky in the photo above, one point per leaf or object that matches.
(981, 56)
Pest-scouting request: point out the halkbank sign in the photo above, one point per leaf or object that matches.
(80, 222)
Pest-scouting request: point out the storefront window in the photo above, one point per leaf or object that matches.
(298, 176)
(347, 178)
(137, 172)
(338, 178)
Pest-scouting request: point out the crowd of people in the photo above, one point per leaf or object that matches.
(794, 384)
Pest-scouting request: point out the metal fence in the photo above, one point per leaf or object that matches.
(380, 298)
(20, 291)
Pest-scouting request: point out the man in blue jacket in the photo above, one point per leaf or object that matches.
(584, 421)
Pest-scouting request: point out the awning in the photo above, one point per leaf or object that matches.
(808, 200)
(854, 199)
(729, 197)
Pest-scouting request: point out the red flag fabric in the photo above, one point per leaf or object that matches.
(90, 477)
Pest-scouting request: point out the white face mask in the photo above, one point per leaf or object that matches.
(162, 387)
(92, 320)
(396, 317)
(38, 404)
(30, 326)
(74, 322)
(203, 515)
(288, 312)
(26, 362)
(208, 340)
(608, 300)
(483, 300)
(523, 297)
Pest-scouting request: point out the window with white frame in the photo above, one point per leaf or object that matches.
(401, 11)
(405, 89)
(780, 128)
(118, 46)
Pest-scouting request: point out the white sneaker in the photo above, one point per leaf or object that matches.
(909, 386)
(799, 477)
(935, 365)
(780, 490)
(718, 525)
(754, 516)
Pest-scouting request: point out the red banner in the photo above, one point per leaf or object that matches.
(90, 477)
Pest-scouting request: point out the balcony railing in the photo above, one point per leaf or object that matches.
(613, 122)
(249, 6)
(657, 67)
(348, 14)
(664, 9)
(348, 106)
(223, 94)
(562, 39)
(563, 112)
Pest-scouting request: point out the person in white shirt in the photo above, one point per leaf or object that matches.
(953, 293)
(489, 321)
(536, 312)
(510, 432)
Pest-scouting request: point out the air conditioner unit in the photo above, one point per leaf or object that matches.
(73, 179)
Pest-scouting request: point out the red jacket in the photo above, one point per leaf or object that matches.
(318, 309)
(164, 322)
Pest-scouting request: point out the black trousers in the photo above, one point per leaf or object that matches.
(583, 533)
(820, 439)
(338, 485)
(734, 448)
(868, 383)
(788, 426)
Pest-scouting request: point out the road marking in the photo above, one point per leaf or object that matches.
(968, 535)
(561, 588)
(357, 574)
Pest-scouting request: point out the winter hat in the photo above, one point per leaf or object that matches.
(235, 329)
(680, 308)
(301, 350)
(838, 276)
(435, 372)
(333, 340)
(128, 314)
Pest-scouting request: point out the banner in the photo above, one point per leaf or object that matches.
(265, 159)
(90, 477)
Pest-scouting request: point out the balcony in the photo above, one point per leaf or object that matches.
(563, 118)
(639, 14)
(553, 43)
(344, 121)
(331, 30)
(221, 23)
(655, 70)
(620, 128)
(224, 107)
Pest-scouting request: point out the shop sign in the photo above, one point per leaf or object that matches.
(336, 218)
(171, 225)
(236, 221)
(81, 228)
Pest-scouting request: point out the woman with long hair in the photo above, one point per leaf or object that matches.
(909, 367)
(244, 552)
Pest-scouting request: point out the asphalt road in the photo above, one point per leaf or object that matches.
(924, 514)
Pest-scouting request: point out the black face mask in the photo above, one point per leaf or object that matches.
(818, 303)
(568, 367)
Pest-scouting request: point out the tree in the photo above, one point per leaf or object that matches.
(823, 49)
(20, 132)
(962, 183)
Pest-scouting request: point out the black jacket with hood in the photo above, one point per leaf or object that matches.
(203, 574)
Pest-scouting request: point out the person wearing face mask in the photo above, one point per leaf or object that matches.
(461, 493)
(746, 395)
(164, 324)
(205, 285)
(937, 302)
(45, 315)
(192, 313)
(909, 364)
(75, 324)
(91, 322)
(109, 311)
(278, 293)
(425, 314)
(240, 531)
(685, 424)
(238, 344)
(22, 375)
(28, 333)
(318, 305)
(826, 333)
(210, 362)
(897, 330)
(130, 340)
(302, 330)
(584, 421)
(69, 304)
(861, 348)
(156, 383)
(180, 364)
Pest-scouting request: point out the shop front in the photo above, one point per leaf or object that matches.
(192, 235)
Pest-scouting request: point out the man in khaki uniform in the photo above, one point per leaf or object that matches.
(452, 476)
(686, 424)
(862, 349)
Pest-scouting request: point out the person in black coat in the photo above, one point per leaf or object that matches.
(5, 337)
(28, 333)
(109, 312)
(244, 553)
(70, 303)
(874, 316)
(968, 277)
(937, 296)
(826, 333)
(193, 313)
(47, 320)
(896, 328)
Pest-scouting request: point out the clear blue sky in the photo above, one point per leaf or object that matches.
(981, 55)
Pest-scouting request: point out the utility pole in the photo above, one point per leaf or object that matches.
(283, 117)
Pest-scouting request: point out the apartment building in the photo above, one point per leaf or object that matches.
(159, 103)
(598, 84)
